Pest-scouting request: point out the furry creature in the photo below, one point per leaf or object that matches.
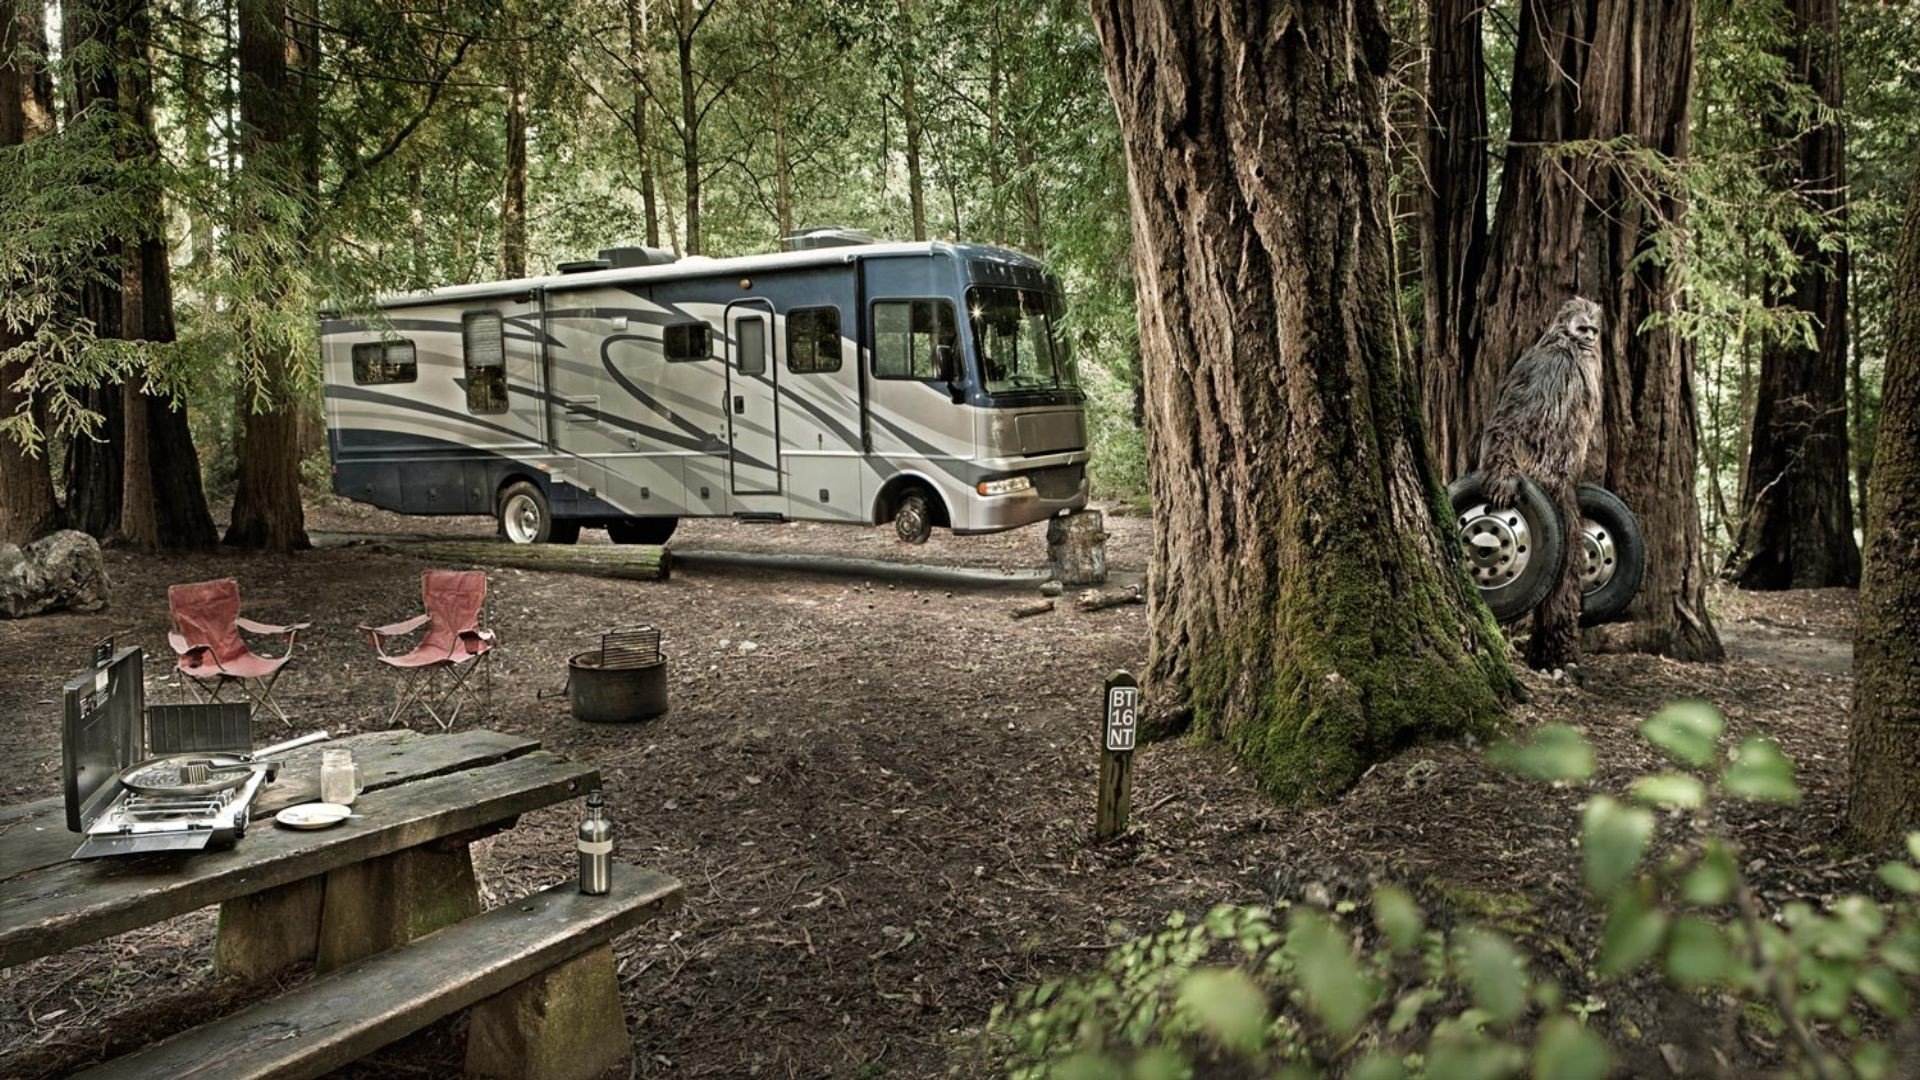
(1540, 429)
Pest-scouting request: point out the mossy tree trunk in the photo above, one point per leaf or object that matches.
(1453, 218)
(273, 142)
(1306, 600)
(27, 505)
(1582, 223)
(1883, 798)
(1796, 527)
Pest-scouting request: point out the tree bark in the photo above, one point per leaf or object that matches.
(684, 31)
(1453, 237)
(1883, 799)
(910, 118)
(513, 204)
(1796, 529)
(1574, 224)
(27, 506)
(1307, 607)
(638, 64)
(266, 505)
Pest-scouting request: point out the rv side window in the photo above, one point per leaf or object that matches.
(688, 341)
(813, 340)
(906, 335)
(484, 343)
(376, 362)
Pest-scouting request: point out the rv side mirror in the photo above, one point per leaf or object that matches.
(946, 361)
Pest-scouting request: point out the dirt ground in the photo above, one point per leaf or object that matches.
(880, 797)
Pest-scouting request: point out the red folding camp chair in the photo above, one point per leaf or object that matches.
(436, 673)
(211, 653)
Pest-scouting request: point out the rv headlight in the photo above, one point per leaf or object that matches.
(1011, 485)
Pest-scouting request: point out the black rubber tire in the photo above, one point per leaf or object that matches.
(564, 532)
(1609, 601)
(648, 530)
(913, 517)
(1511, 602)
(542, 528)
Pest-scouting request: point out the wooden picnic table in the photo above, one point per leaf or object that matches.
(397, 870)
(538, 974)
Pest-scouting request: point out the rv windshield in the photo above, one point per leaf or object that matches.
(1021, 339)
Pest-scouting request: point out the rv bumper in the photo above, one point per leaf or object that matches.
(1051, 490)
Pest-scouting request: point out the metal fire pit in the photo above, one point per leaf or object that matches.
(622, 681)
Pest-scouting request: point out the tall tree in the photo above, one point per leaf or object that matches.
(27, 505)
(1883, 798)
(1307, 607)
(639, 62)
(1453, 236)
(140, 483)
(1596, 84)
(270, 228)
(1796, 528)
(513, 204)
(910, 116)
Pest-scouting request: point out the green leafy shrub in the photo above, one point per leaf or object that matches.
(1380, 993)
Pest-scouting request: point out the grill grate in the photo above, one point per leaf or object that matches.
(631, 647)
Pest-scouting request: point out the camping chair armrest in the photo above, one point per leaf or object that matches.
(472, 640)
(252, 627)
(184, 650)
(376, 635)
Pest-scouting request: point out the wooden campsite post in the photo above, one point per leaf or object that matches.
(1116, 755)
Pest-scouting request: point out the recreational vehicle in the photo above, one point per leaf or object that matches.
(925, 384)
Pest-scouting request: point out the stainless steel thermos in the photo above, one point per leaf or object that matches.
(596, 849)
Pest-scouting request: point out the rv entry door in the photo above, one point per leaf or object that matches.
(752, 421)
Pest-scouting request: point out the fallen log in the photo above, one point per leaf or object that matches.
(1094, 600)
(634, 562)
(1036, 607)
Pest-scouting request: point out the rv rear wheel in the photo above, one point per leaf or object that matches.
(525, 517)
(913, 520)
(648, 530)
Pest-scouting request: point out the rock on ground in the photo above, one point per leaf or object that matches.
(61, 571)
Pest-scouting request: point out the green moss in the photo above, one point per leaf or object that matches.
(1338, 667)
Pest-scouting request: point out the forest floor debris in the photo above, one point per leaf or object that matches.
(882, 811)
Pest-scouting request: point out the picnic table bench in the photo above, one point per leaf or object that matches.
(386, 906)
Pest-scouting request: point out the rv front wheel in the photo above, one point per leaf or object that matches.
(913, 521)
(525, 517)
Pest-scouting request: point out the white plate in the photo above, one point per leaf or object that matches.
(313, 815)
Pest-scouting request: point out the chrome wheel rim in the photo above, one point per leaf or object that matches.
(1498, 545)
(1599, 559)
(911, 522)
(521, 517)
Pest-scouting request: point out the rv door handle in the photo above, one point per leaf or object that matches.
(739, 403)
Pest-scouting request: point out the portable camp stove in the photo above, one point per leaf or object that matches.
(196, 794)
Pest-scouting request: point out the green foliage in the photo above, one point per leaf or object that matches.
(1233, 993)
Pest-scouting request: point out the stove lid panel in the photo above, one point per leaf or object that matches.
(100, 735)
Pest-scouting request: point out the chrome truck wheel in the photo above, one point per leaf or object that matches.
(1512, 554)
(1613, 555)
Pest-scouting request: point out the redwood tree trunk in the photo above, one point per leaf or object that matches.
(1796, 529)
(513, 205)
(1883, 799)
(910, 117)
(27, 506)
(1572, 225)
(1453, 237)
(266, 504)
(638, 64)
(1306, 600)
(690, 118)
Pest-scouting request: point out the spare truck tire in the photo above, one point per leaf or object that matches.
(1513, 555)
(1613, 555)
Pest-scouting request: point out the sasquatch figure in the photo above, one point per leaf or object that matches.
(1540, 429)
